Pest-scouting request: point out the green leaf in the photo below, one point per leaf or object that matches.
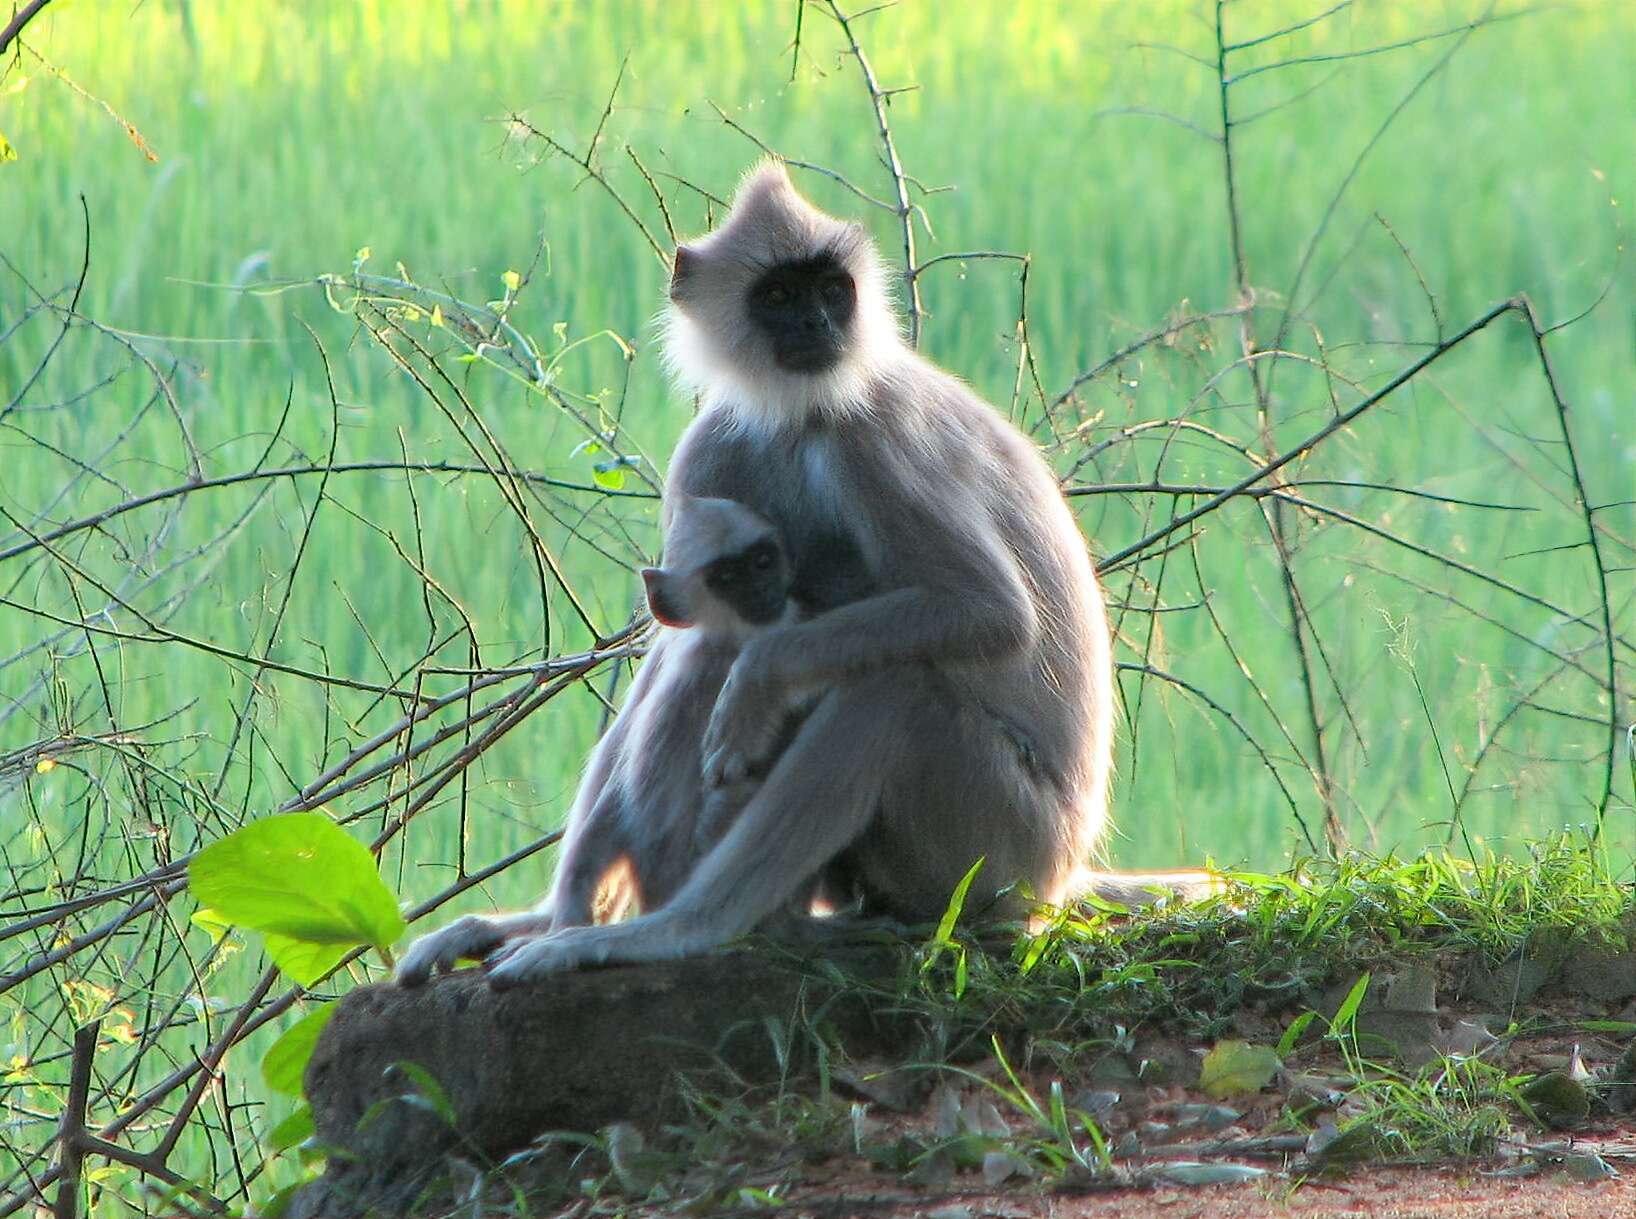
(1233, 1068)
(286, 1059)
(957, 903)
(1347, 1012)
(298, 875)
(302, 961)
(211, 923)
(610, 475)
(512, 281)
(296, 1128)
(430, 1091)
(1286, 1043)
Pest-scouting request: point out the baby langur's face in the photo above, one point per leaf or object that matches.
(725, 570)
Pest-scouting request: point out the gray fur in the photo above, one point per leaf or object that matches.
(643, 802)
(964, 709)
(961, 708)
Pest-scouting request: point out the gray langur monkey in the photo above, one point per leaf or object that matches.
(964, 708)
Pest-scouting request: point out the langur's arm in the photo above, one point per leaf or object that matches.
(974, 606)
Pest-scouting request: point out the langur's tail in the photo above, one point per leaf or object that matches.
(1136, 889)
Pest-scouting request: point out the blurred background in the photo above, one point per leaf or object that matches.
(328, 238)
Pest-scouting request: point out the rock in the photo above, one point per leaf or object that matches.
(576, 1052)
(1508, 985)
(1601, 971)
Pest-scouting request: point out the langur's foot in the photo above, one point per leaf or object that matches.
(470, 938)
(651, 938)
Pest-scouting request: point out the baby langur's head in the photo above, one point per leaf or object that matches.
(725, 569)
(782, 309)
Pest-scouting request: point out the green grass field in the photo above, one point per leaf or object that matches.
(291, 136)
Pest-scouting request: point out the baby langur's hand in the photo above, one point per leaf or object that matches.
(470, 938)
(744, 723)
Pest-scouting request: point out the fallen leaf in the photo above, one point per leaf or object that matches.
(1234, 1068)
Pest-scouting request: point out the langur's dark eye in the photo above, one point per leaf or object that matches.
(763, 560)
(837, 289)
(776, 295)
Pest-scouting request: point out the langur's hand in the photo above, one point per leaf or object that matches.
(470, 938)
(745, 721)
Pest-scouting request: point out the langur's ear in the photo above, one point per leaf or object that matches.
(684, 269)
(661, 604)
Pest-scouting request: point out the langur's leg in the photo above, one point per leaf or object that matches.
(590, 847)
(961, 791)
(876, 766)
(817, 798)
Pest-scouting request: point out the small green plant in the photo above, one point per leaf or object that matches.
(314, 894)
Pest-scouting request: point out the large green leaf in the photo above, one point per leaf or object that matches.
(303, 961)
(297, 875)
(285, 1061)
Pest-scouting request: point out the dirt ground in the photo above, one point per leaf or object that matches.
(1376, 1193)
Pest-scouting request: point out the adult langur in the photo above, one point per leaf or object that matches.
(962, 709)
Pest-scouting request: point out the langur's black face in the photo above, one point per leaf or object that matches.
(754, 583)
(805, 309)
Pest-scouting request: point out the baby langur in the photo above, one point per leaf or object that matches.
(726, 577)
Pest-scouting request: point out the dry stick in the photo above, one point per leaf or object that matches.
(195, 459)
(1157, 335)
(615, 648)
(247, 1019)
(1582, 498)
(22, 17)
(1290, 298)
(544, 558)
(163, 882)
(878, 99)
(67, 321)
(243, 1026)
(410, 753)
(588, 164)
(97, 519)
(796, 163)
(1287, 30)
(97, 935)
(1333, 833)
(294, 570)
(161, 634)
(1240, 663)
(457, 764)
(1335, 424)
(71, 1135)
